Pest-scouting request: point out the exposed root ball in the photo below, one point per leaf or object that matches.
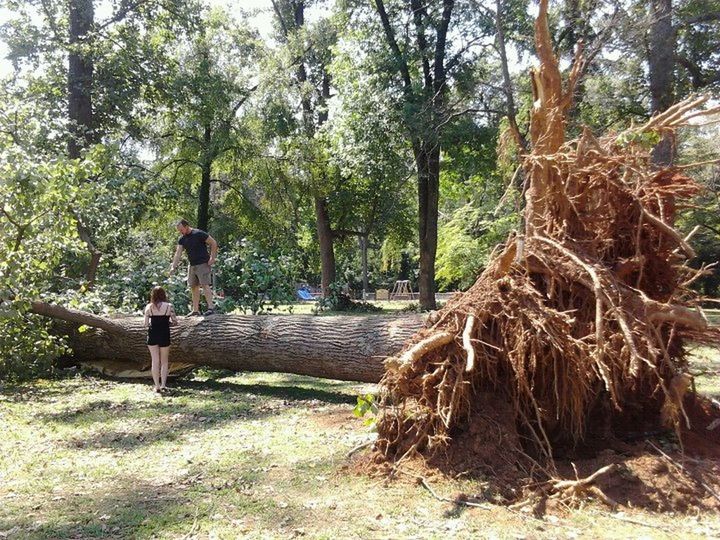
(583, 316)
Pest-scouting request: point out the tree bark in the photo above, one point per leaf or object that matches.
(661, 66)
(428, 163)
(81, 121)
(342, 347)
(80, 78)
(325, 239)
(203, 213)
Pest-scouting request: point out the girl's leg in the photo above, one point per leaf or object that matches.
(164, 365)
(155, 366)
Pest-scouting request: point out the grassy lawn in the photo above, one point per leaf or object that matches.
(250, 456)
(306, 308)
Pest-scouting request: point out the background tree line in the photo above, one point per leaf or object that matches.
(359, 142)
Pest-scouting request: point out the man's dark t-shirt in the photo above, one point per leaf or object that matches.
(194, 244)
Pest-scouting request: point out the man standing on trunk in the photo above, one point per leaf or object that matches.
(195, 242)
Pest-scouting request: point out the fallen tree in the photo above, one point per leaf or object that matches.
(341, 347)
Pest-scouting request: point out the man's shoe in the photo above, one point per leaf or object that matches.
(209, 312)
(193, 314)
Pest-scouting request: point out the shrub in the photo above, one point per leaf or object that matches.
(252, 280)
(27, 349)
(339, 301)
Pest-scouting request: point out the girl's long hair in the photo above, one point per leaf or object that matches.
(158, 296)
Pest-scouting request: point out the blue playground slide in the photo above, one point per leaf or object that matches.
(304, 294)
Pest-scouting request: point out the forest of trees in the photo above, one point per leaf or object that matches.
(352, 144)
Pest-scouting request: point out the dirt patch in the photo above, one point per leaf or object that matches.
(662, 483)
(650, 473)
(488, 446)
(332, 418)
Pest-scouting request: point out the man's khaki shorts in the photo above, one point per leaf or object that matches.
(198, 275)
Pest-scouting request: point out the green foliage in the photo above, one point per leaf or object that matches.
(35, 235)
(646, 139)
(465, 244)
(126, 279)
(254, 281)
(27, 348)
(366, 408)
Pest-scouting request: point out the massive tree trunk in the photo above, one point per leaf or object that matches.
(342, 347)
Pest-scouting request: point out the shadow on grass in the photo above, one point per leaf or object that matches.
(189, 407)
(321, 391)
(131, 508)
(228, 397)
(21, 393)
(179, 507)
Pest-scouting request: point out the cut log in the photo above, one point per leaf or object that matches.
(350, 348)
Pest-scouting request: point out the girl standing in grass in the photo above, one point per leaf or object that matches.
(159, 315)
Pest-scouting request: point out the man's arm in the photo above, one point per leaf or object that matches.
(176, 258)
(213, 249)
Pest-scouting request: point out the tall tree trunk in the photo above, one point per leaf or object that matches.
(323, 225)
(203, 213)
(661, 69)
(364, 263)
(426, 148)
(81, 122)
(343, 347)
(325, 239)
(428, 164)
(80, 78)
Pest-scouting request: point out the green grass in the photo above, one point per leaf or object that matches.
(306, 308)
(705, 366)
(239, 455)
(713, 315)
